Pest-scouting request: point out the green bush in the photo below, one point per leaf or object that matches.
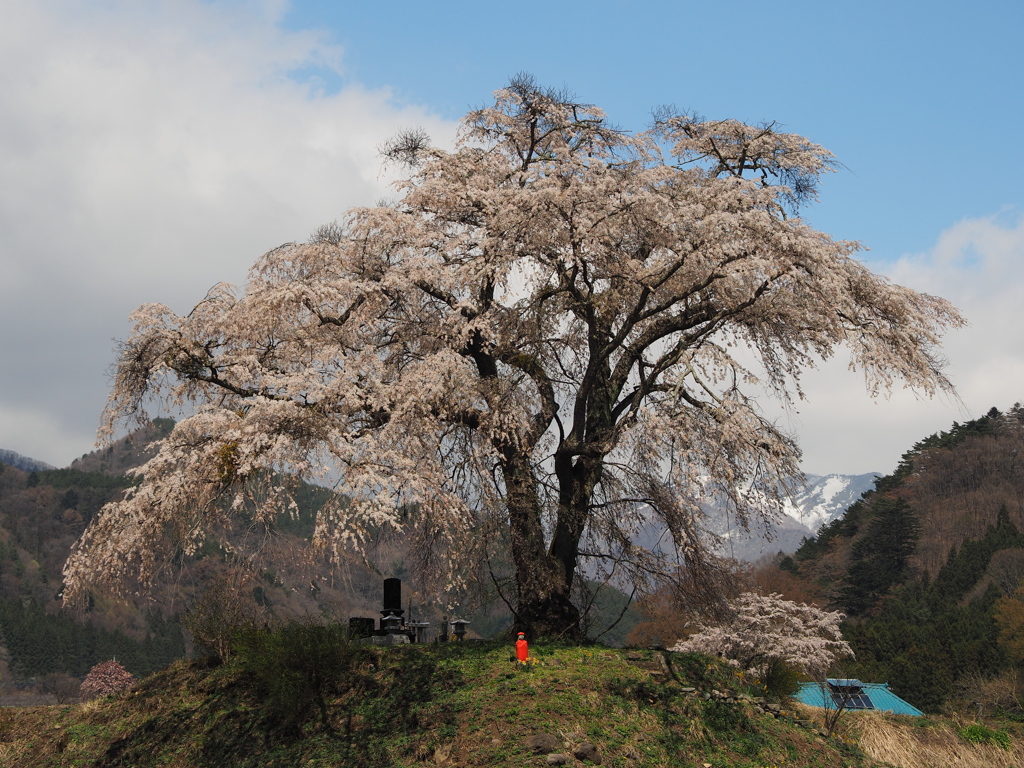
(780, 680)
(296, 668)
(724, 718)
(976, 733)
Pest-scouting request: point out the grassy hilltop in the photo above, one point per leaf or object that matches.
(469, 705)
(455, 705)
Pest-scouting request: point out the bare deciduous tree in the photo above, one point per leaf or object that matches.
(551, 338)
(63, 687)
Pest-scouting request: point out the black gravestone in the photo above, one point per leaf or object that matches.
(392, 597)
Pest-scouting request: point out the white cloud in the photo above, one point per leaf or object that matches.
(148, 151)
(978, 264)
(42, 434)
(151, 149)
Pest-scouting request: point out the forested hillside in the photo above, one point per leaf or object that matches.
(43, 512)
(12, 459)
(925, 565)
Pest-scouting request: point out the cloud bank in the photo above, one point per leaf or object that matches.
(150, 150)
(978, 264)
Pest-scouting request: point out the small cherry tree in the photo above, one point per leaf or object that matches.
(766, 629)
(106, 678)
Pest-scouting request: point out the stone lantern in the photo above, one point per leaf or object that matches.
(459, 629)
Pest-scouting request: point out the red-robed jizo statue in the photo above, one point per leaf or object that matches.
(522, 650)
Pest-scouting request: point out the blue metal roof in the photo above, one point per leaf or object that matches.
(858, 695)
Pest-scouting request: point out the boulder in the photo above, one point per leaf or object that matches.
(543, 744)
(587, 751)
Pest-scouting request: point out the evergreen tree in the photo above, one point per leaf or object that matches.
(921, 639)
(879, 559)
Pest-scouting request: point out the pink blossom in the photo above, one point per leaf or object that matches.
(554, 334)
(762, 629)
(106, 678)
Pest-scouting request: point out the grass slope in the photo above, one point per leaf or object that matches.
(937, 742)
(455, 705)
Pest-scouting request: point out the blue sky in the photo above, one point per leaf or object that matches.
(151, 149)
(922, 103)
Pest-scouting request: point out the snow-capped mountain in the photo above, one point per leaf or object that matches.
(826, 497)
(822, 500)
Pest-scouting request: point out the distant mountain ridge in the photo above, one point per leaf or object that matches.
(822, 499)
(927, 567)
(826, 497)
(24, 463)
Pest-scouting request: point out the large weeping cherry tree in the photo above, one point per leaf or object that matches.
(553, 337)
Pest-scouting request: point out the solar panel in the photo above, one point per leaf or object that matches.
(852, 700)
(850, 695)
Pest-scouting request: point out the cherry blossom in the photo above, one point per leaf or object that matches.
(766, 628)
(557, 332)
(106, 678)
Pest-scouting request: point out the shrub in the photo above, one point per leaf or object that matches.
(106, 678)
(295, 668)
(1002, 694)
(224, 608)
(781, 680)
(976, 733)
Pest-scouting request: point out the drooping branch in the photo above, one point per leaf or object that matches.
(555, 320)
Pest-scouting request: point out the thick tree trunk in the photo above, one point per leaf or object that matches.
(544, 575)
(579, 472)
(544, 584)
